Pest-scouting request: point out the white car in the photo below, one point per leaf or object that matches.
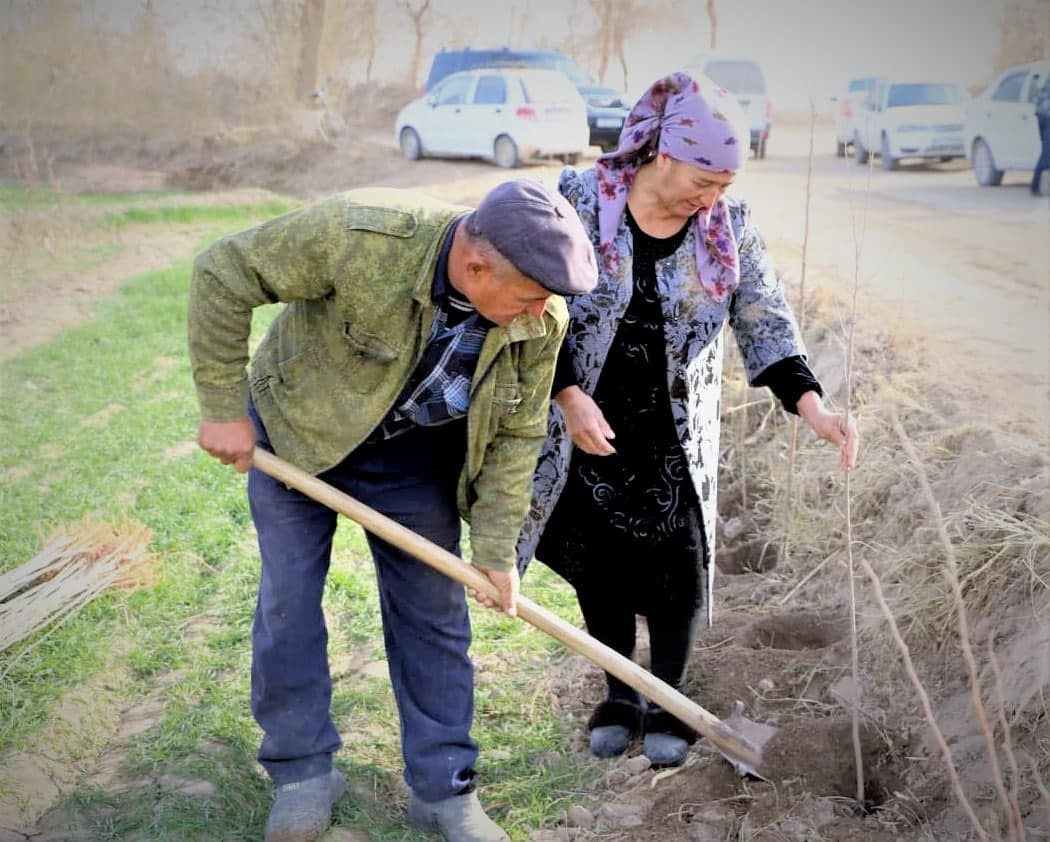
(850, 105)
(505, 114)
(906, 119)
(743, 77)
(1001, 130)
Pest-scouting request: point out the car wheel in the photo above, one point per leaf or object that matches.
(840, 149)
(411, 146)
(859, 152)
(505, 152)
(984, 165)
(888, 161)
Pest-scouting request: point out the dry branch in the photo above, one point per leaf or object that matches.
(74, 567)
(924, 698)
(1016, 831)
(1008, 747)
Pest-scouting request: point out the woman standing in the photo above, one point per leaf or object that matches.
(627, 517)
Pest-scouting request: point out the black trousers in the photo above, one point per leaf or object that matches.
(609, 607)
(617, 578)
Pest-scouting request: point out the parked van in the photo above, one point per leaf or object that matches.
(743, 77)
(606, 109)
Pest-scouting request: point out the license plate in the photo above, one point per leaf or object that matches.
(608, 122)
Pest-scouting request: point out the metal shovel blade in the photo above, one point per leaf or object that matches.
(756, 734)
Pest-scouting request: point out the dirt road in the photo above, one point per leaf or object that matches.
(935, 255)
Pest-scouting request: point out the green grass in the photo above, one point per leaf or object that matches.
(78, 237)
(14, 198)
(96, 423)
(185, 214)
(41, 197)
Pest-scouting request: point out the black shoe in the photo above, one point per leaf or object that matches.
(667, 738)
(613, 724)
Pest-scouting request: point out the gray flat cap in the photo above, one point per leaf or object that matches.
(538, 231)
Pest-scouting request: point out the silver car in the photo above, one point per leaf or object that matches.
(911, 119)
(1001, 130)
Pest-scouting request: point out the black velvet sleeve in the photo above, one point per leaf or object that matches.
(790, 379)
(564, 372)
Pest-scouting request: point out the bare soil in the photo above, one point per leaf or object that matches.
(952, 289)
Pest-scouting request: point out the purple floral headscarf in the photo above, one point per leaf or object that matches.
(684, 118)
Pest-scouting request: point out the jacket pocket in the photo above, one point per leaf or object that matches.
(367, 358)
(506, 398)
(503, 406)
(297, 376)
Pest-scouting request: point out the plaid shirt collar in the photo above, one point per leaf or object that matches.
(438, 391)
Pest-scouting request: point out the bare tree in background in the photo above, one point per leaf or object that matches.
(311, 31)
(366, 26)
(268, 61)
(149, 33)
(712, 17)
(416, 13)
(603, 12)
(352, 36)
(571, 42)
(618, 20)
(1024, 33)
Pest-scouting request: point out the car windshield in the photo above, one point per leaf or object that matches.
(861, 85)
(923, 93)
(740, 77)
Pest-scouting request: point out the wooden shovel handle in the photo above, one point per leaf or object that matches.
(724, 738)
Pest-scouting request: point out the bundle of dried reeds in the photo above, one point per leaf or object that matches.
(76, 565)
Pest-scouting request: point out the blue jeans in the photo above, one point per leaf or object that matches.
(426, 625)
(1043, 164)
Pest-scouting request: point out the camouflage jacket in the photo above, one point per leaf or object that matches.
(356, 272)
(762, 323)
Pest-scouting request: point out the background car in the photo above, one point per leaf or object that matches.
(850, 104)
(911, 119)
(505, 114)
(606, 112)
(606, 108)
(1001, 132)
(743, 77)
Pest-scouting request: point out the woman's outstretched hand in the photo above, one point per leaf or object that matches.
(585, 422)
(834, 427)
